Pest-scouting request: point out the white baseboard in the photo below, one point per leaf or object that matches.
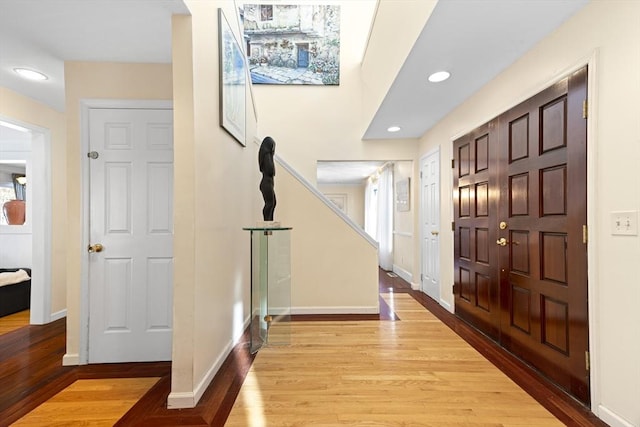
(335, 310)
(415, 286)
(190, 399)
(181, 400)
(613, 419)
(402, 273)
(446, 305)
(71, 359)
(58, 315)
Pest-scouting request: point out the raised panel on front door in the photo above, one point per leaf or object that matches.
(482, 199)
(554, 257)
(555, 324)
(482, 245)
(553, 189)
(483, 291)
(482, 153)
(553, 125)
(519, 195)
(519, 138)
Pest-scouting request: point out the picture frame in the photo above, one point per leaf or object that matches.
(233, 81)
(339, 200)
(292, 43)
(402, 195)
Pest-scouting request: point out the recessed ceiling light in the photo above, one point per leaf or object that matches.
(440, 76)
(393, 129)
(30, 74)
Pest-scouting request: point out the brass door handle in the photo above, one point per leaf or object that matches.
(95, 248)
(435, 233)
(502, 241)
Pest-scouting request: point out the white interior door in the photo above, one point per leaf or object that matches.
(430, 219)
(131, 216)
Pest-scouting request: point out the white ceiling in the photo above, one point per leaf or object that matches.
(473, 39)
(346, 172)
(42, 34)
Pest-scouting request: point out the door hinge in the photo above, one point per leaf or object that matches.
(587, 364)
(420, 174)
(421, 277)
(93, 155)
(585, 234)
(453, 163)
(453, 226)
(585, 109)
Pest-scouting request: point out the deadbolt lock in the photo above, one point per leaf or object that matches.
(503, 225)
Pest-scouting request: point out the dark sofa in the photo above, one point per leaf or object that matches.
(16, 297)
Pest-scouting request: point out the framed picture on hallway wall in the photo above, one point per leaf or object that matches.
(339, 200)
(402, 195)
(232, 81)
(292, 44)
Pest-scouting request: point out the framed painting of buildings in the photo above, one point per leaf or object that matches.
(232, 81)
(297, 44)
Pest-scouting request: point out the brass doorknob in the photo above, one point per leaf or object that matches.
(435, 233)
(502, 241)
(95, 248)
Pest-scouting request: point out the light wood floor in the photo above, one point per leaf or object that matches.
(412, 372)
(95, 402)
(14, 321)
(337, 370)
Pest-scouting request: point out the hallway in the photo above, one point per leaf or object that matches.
(339, 370)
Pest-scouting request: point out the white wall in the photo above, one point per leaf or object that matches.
(354, 193)
(333, 268)
(38, 116)
(311, 123)
(608, 33)
(216, 181)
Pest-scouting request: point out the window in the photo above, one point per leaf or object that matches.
(266, 12)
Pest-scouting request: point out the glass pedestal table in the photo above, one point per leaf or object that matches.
(270, 286)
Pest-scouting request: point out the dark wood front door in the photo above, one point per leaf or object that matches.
(520, 256)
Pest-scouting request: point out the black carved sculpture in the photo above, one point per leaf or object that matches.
(268, 169)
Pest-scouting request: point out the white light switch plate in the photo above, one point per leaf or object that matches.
(624, 223)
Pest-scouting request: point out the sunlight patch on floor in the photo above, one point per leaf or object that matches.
(95, 402)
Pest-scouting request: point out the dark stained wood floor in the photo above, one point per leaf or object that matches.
(31, 372)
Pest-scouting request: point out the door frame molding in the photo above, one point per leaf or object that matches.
(86, 105)
(591, 61)
(430, 153)
(40, 222)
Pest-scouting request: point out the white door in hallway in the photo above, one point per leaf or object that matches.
(430, 221)
(131, 217)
